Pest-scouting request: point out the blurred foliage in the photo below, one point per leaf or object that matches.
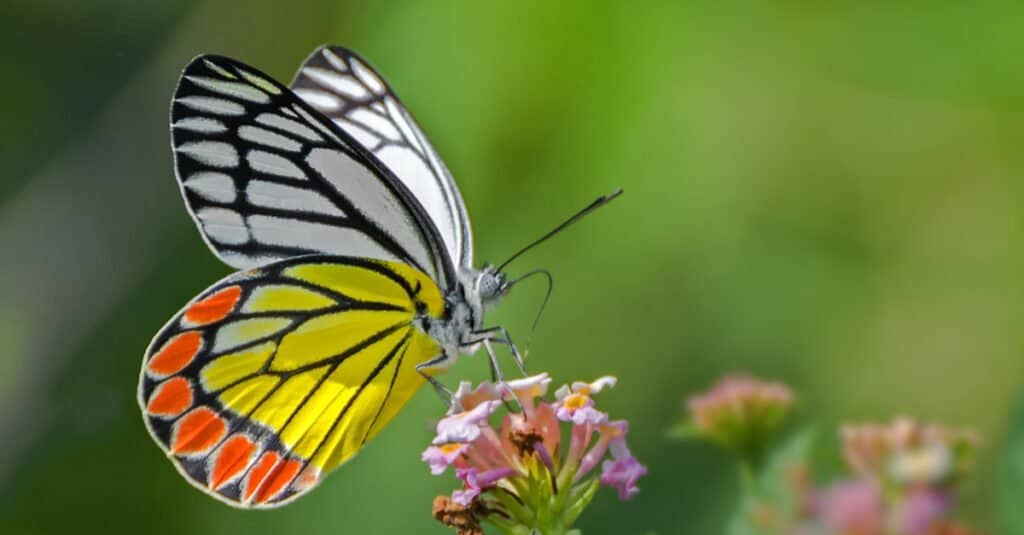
(773, 496)
(825, 193)
(1011, 480)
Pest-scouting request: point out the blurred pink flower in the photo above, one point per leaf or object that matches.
(740, 412)
(921, 509)
(853, 507)
(908, 452)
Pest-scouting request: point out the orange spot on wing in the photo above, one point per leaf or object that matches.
(171, 398)
(259, 472)
(198, 432)
(307, 479)
(276, 481)
(213, 308)
(176, 353)
(231, 459)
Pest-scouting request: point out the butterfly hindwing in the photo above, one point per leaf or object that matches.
(347, 90)
(266, 176)
(274, 376)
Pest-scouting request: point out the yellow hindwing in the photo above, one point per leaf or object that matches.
(273, 377)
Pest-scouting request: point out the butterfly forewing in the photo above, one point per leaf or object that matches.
(267, 177)
(343, 87)
(274, 376)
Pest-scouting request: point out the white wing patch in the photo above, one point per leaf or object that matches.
(212, 186)
(223, 225)
(262, 136)
(330, 239)
(345, 85)
(231, 89)
(274, 164)
(370, 195)
(201, 124)
(212, 153)
(218, 106)
(347, 90)
(285, 197)
(266, 176)
(320, 100)
(292, 127)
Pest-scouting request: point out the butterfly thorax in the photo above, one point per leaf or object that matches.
(475, 292)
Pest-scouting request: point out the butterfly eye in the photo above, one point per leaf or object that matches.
(490, 284)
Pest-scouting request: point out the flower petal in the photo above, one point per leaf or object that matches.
(464, 427)
(622, 474)
(596, 386)
(465, 496)
(468, 398)
(528, 387)
(441, 457)
(580, 416)
(477, 482)
(613, 435)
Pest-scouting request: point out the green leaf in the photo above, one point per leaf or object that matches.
(771, 498)
(580, 498)
(683, 431)
(1010, 493)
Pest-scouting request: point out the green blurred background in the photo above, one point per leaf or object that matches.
(827, 195)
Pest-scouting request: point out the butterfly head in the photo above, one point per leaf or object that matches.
(491, 285)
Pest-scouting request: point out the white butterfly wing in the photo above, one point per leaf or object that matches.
(343, 87)
(266, 176)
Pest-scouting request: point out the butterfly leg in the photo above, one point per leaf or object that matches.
(500, 335)
(497, 375)
(442, 391)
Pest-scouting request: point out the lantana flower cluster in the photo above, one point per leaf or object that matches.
(540, 467)
(908, 453)
(902, 476)
(740, 412)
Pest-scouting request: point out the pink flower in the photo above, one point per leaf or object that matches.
(623, 470)
(740, 412)
(464, 427)
(922, 508)
(622, 475)
(525, 391)
(466, 398)
(610, 433)
(853, 508)
(543, 424)
(539, 478)
(477, 482)
(576, 405)
(528, 387)
(908, 452)
(441, 457)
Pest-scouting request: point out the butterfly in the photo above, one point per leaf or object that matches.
(355, 287)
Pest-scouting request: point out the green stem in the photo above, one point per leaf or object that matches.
(748, 479)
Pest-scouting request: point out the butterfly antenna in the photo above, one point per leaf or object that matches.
(547, 295)
(601, 201)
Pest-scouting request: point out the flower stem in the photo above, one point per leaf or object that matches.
(748, 479)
